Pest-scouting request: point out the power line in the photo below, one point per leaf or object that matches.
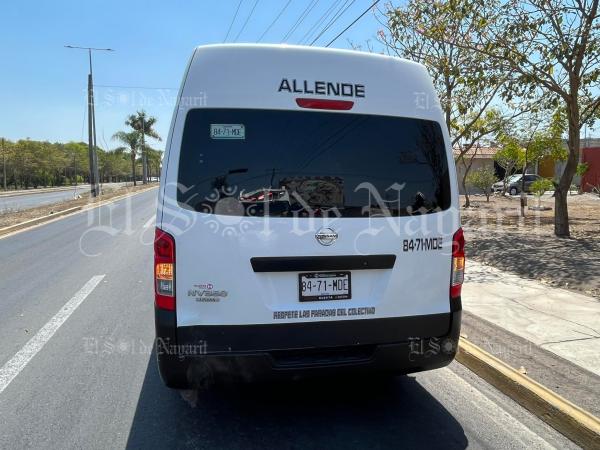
(133, 87)
(233, 20)
(300, 19)
(355, 20)
(340, 12)
(274, 20)
(318, 23)
(246, 22)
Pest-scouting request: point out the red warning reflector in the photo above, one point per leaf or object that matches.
(318, 103)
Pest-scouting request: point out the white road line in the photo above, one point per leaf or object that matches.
(150, 223)
(482, 407)
(18, 362)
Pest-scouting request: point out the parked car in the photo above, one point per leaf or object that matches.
(514, 183)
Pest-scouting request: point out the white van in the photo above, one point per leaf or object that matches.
(308, 218)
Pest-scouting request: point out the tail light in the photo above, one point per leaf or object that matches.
(318, 103)
(458, 263)
(164, 270)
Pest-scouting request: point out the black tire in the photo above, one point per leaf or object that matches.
(513, 191)
(173, 371)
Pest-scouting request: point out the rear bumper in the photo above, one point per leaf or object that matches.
(192, 356)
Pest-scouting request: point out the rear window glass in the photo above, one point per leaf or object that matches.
(301, 163)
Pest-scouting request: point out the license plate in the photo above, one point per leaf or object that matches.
(324, 286)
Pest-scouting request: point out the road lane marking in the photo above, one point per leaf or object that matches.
(482, 407)
(17, 363)
(150, 223)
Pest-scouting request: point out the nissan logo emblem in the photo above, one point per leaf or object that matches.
(326, 236)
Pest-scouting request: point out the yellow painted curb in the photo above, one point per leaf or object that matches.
(32, 223)
(575, 423)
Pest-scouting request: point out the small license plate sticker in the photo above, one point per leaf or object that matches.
(227, 131)
(323, 286)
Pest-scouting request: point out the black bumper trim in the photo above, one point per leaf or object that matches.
(413, 354)
(285, 336)
(314, 263)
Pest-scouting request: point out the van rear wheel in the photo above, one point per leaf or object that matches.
(513, 191)
(173, 372)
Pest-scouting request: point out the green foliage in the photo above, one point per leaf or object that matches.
(32, 163)
(510, 154)
(142, 123)
(546, 50)
(582, 168)
(533, 139)
(540, 186)
(482, 179)
(429, 32)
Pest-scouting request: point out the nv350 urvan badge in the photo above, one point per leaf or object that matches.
(307, 219)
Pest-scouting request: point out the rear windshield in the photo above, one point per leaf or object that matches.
(299, 163)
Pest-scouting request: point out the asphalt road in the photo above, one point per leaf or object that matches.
(77, 368)
(31, 200)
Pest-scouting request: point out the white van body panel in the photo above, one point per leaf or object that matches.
(213, 251)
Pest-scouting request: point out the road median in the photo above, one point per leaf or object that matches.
(17, 193)
(27, 224)
(572, 421)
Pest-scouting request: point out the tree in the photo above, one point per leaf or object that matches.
(154, 161)
(131, 140)
(551, 47)
(78, 162)
(467, 163)
(508, 157)
(5, 147)
(144, 125)
(29, 163)
(466, 82)
(114, 164)
(539, 187)
(536, 138)
(482, 179)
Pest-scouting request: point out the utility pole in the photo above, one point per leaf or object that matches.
(92, 154)
(144, 159)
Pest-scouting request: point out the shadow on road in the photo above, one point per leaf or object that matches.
(349, 413)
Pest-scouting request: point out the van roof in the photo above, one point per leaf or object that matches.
(303, 48)
(273, 76)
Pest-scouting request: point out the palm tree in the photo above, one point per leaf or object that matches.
(143, 124)
(131, 140)
(153, 159)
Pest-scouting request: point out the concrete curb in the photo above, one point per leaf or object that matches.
(37, 220)
(22, 226)
(575, 423)
(37, 191)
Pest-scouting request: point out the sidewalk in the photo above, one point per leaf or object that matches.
(560, 321)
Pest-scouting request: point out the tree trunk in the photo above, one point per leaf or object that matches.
(507, 173)
(463, 183)
(133, 168)
(561, 211)
(144, 159)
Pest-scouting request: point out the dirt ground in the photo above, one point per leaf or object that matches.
(497, 235)
(13, 217)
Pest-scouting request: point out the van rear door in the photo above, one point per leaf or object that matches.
(292, 216)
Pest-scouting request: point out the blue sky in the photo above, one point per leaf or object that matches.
(43, 85)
